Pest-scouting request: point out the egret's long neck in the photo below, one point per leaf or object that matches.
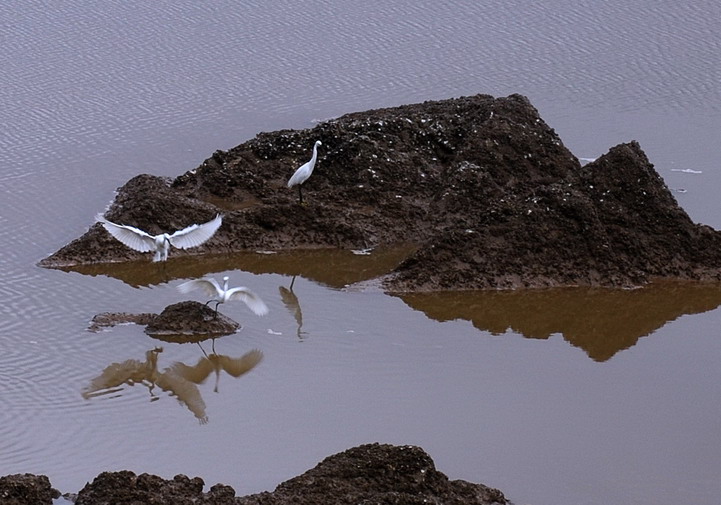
(225, 285)
(315, 155)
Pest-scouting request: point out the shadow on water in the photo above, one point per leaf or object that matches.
(178, 379)
(600, 321)
(334, 268)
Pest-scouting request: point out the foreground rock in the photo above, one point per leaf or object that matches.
(481, 185)
(379, 474)
(373, 473)
(26, 489)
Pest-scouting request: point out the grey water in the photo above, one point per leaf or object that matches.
(559, 396)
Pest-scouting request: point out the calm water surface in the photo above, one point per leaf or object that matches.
(560, 396)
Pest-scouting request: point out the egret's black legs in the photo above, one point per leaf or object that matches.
(300, 193)
(216, 306)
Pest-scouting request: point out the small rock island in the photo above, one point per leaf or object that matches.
(482, 187)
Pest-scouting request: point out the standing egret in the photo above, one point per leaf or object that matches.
(301, 175)
(137, 239)
(222, 295)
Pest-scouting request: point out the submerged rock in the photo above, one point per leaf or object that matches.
(482, 186)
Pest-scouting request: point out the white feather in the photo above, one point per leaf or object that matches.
(195, 234)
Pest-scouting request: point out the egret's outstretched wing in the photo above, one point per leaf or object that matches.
(253, 301)
(195, 234)
(238, 366)
(209, 286)
(129, 235)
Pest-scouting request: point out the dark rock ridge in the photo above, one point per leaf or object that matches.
(482, 186)
(372, 473)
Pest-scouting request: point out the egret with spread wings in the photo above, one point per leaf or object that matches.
(223, 294)
(135, 238)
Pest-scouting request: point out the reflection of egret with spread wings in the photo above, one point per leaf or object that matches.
(234, 367)
(146, 372)
(290, 300)
(179, 380)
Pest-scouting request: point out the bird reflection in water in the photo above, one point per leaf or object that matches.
(213, 362)
(133, 371)
(179, 380)
(290, 300)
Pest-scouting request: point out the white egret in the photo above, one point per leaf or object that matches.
(137, 239)
(301, 175)
(222, 295)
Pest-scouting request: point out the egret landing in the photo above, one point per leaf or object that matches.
(192, 236)
(221, 295)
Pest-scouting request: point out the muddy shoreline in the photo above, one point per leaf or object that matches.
(482, 186)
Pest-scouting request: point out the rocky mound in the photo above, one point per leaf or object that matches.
(190, 318)
(373, 473)
(377, 473)
(179, 320)
(481, 185)
(26, 489)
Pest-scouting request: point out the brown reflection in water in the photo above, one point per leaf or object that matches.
(132, 371)
(331, 267)
(179, 380)
(234, 367)
(600, 321)
(291, 302)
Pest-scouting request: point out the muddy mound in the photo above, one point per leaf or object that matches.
(183, 321)
(377, 473)
(190, 318)
(26, 489)
(372, 473)
(482, 186)
(611, 223)
(127, 487)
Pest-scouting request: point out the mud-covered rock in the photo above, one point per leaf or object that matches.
(482, 186)
(378, 474)
(26, 489)
(190, 318)
(128, 488)
(372, 473)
